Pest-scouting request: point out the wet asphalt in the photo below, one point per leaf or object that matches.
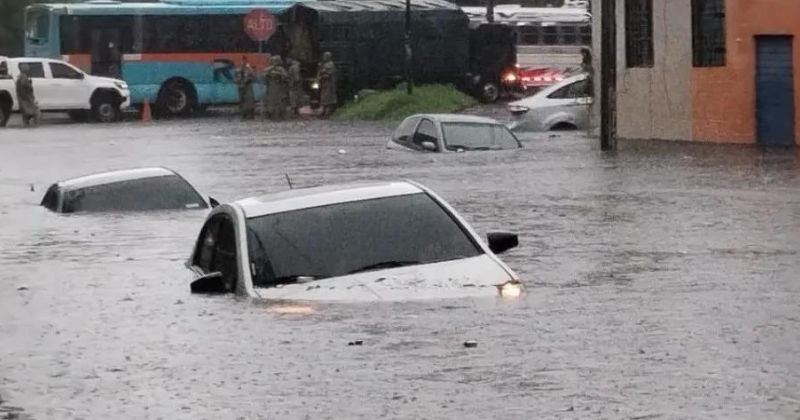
(664, 283)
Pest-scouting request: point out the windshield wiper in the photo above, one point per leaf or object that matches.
(384, 264)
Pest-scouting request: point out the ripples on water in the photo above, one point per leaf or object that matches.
(663, 283)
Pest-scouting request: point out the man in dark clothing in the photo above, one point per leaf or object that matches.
(27, 101)
(245, 77)
(327, 84)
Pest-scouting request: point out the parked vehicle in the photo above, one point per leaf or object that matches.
(60, 87)
(139, 189)
(452, 133)
(375, 241)
(563, 106)
(178, 55)
(367, 40)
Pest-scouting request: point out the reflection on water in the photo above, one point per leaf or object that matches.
(665, 270)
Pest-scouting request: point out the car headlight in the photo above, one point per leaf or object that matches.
(121, 85)
(510, 77)
(315, 85)
(510, 289)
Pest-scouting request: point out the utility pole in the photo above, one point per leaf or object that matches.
(608, 76)
(409, 55)
(490, 11)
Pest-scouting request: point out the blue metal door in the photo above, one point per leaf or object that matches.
(775, 91)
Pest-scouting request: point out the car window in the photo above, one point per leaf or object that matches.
(50, 199)
(63, 71)
(206, 244)
(471, 136)
(35, 69)
(406, 130)
(154, 193)
(426, 132)
(579, 89)
(338, 239)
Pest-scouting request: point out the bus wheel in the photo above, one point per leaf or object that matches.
(489, 92)
(176, 98)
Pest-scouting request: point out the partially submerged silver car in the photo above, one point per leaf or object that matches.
(357, 242)
(452, 133)
(138, 189)
(562, 106)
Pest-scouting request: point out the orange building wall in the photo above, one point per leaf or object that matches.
(724, 98)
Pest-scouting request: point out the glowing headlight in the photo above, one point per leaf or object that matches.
(510, 77)
(511, 289)
(315, 85)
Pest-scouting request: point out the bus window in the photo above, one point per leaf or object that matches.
(38, 27)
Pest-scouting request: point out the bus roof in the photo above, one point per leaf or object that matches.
(112, 7)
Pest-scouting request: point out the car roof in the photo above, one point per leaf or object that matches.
(322, 196)
(113, 176)
(457, 118)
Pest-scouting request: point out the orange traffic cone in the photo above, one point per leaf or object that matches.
(146, 114)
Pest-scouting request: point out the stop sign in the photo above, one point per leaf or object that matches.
(259, 25)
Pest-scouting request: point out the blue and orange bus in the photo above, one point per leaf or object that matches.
(179, 55)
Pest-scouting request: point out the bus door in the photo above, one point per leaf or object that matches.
(106, 52)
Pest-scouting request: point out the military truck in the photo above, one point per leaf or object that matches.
(367, 40)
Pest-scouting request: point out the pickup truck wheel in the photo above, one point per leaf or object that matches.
(4, 116)
(105, 109)
(176, 98)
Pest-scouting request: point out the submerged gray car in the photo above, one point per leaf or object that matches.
(452, 133)
(138, 189)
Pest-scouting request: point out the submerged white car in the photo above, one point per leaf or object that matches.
(451, 133)
(356, 242)
(562, 106)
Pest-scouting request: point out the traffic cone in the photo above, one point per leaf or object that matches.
(146, 114)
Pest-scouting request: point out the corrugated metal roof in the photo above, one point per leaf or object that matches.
(376, 5)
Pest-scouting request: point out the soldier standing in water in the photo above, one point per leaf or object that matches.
(245, 77)
(276, 79)
(327, 84)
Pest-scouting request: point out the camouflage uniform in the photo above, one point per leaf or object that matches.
(327, 84)
(26, 99)
(245, 77)
(276, 79)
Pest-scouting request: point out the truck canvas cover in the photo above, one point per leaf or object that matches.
(366, 39)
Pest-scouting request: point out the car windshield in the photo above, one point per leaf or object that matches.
(154, 193)
(347, 238)
(477, 136)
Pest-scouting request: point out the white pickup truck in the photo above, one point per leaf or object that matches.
(61, 87)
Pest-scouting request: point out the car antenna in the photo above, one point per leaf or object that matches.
(289, 181)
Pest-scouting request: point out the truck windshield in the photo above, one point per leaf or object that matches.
(341, 239)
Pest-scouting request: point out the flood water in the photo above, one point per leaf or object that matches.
(663, 283)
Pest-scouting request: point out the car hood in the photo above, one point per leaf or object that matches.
(469, 277)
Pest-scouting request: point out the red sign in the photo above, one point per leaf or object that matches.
(259, 25)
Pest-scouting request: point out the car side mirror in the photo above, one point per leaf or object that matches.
(429, 146)
(213, 201)
(81, 76)
(211, 283)
(500, 242)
